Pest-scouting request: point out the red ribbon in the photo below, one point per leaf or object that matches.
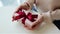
(23, 15)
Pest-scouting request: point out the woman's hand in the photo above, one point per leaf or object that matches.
(34, 25)
(24, 6)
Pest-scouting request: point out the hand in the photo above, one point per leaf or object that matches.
(34, 25)
(24, 6)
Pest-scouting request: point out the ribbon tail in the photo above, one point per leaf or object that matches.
(15, 18)
(23, 20)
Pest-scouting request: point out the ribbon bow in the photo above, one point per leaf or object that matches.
(22, 14)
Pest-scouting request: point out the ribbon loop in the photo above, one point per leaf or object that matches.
(23, 15)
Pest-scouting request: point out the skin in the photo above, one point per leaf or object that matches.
(44, 5)
(26, 7)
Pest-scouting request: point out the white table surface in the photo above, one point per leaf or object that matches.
(7, 26)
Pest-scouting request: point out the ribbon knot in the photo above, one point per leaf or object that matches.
(22, 14)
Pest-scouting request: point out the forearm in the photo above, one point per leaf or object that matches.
(47, 17)
(51, 15)
(55, 14)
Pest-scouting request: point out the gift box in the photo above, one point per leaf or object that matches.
(28, 18)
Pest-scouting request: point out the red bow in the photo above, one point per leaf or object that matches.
(23, 15)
